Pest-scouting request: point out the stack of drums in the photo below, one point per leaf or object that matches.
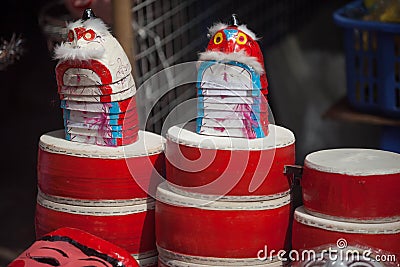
(350, 204)
(226, 201)
(101, 190)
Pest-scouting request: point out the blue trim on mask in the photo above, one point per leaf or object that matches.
(230, 34)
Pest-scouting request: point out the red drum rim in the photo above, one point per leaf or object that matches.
(228, 198)
(354, 220)
(169, 197)
(354, 161)
(94, 203)
(147, 144)
(301, 216)
(186, 135)
(95, 211)
(174, 259)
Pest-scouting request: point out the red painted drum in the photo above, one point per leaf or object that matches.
(359, 185)
(237, 169)
(129, 227)
(169, 259)
(71, 172)
(310, 232)
(220, 229)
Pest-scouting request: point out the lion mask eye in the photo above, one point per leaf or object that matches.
(241, 38)
(218, 38)
(89, 35)
(71, 36)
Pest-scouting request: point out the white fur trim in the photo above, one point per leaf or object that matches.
(240, 56)
(95, 24)
(67, 51)
(244, 29)
(216, 27)
(220, 26)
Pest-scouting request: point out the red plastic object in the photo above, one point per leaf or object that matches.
(193, 227)
(352, 185)
(73, 247)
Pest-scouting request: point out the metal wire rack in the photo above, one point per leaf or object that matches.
(168, 32)
(173, 31)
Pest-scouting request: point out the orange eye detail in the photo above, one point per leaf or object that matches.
(70, 36)
(218, 38)
(89, 35)
(241, 38)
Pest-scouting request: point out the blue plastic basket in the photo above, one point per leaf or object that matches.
(372, 63)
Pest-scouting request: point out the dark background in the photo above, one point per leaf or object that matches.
(30, 108)
(30, 101)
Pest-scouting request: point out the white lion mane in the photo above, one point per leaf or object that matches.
(95, 24)
(240, 56)
(65, 51)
